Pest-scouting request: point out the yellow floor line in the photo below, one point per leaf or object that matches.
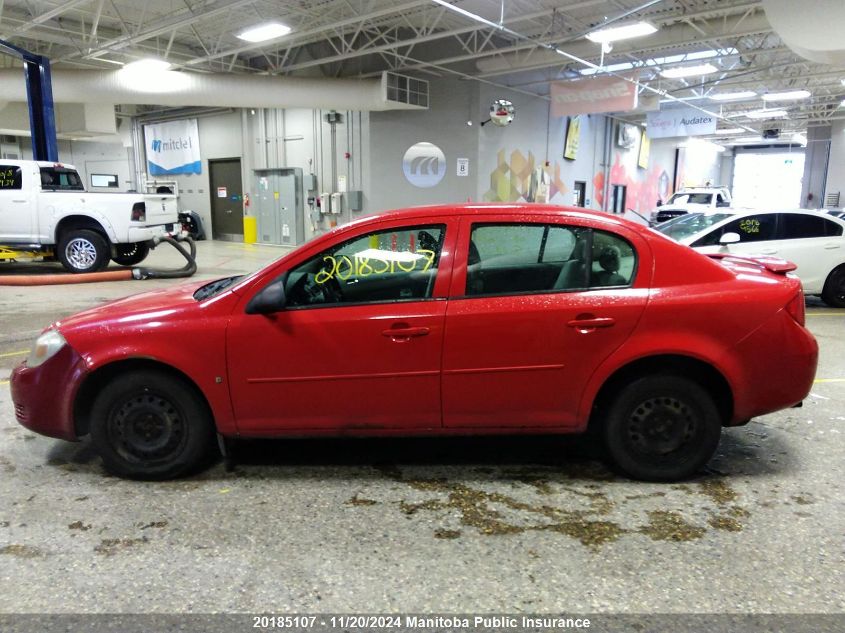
(7, 354)
(829, 380)
(4, 382)
(815, 314)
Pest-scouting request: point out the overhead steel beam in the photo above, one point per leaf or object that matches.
(43, 17)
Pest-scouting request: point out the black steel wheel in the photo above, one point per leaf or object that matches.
(834, 288)
(150, 425)
(662, 428)
(131, 254)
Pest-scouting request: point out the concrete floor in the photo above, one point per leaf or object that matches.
(488, 525)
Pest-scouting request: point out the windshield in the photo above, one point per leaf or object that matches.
(690, 224)
(691, 198)
(60, 179)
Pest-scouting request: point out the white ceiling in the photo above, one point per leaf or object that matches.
(354, 38)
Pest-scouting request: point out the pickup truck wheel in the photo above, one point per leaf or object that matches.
(662, 428)
(150, 425)
(83, 251)
(833, 293)
(131, 254)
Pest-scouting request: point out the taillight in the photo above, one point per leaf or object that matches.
(139, 212)
(796, 309)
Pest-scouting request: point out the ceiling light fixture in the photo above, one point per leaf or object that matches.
(733, 96)
(790, 95)
(766, 114)
(688, 71)
(146, 66)
(264, 32)
(624, 32)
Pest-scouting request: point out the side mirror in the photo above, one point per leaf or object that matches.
(659, 203)
(729, 238)
(269, 300)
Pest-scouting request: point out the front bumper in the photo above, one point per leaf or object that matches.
(43, 396)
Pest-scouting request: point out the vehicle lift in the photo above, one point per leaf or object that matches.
(45, 147)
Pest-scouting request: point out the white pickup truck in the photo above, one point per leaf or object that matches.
(44, 208)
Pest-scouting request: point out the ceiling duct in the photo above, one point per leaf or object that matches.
(814, 32)
(184, 89)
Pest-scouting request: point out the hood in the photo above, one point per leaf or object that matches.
(149, 310)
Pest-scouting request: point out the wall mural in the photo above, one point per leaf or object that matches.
(524, 179)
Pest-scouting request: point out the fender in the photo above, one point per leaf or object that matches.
(99, 217)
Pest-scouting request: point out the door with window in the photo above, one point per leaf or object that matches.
(618, 200)
(534, 309)
(16, 215)
(361, 336)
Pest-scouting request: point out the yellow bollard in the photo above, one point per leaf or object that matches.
(250, 229)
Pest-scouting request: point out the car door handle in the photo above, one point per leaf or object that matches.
(18, 200)
(404, 333)
(769, 251)
(592, 323)
(830, 247)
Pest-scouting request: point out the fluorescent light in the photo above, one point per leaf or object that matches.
(766, 114)
(842, 105)
(733, 96)
(264, 32)
(731, 130)
(146, 66)
(688, 71)
(624, 32)
(800, 139)
(790, 95)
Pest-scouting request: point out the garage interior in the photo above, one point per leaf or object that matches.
(314, 128)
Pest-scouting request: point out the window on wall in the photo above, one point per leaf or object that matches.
(538, 258)
(618, 200)
(394, 265)
(104, 180)
(10, 177)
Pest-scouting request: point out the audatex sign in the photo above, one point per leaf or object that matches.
(586, 96)
(173, 148)
(679, 122)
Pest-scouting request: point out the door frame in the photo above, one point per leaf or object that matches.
(212, 191)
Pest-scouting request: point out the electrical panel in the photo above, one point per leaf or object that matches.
(354, 200)
(325, 202)
(337, 203)
(280, 206)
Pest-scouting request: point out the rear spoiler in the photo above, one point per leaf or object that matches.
(772, 264)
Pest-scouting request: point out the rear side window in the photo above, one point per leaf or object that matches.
(793, 226)
(58, 179)
(10, 177)
(539, 258)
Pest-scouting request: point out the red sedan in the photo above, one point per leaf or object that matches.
(433, 321)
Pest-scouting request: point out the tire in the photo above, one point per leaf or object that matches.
(83, 251)
(833, 293)
(661, 428)
(131, 254)
(150, 425)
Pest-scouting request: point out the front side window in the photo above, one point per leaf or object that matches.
(538, 258)
(390, 265)
(10, 177)
(751, 228)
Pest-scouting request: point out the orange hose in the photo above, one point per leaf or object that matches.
(47, 280)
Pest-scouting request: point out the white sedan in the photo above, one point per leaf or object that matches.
(814, 241)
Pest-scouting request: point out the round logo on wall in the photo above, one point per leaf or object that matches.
(424, 165)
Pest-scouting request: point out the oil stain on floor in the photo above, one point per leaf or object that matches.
(581, 505)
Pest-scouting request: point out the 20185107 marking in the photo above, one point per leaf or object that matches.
(283, 621)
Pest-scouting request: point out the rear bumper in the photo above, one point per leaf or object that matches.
(778, 366)
(146, 233)
(43, 396)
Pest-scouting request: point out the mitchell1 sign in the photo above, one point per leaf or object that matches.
(679, 122)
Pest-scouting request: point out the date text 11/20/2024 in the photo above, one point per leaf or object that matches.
(419, 622)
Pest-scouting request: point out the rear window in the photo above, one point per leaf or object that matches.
(60, 179)
(10, 177)
(795, 226)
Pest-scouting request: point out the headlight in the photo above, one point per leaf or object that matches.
(47, 345)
